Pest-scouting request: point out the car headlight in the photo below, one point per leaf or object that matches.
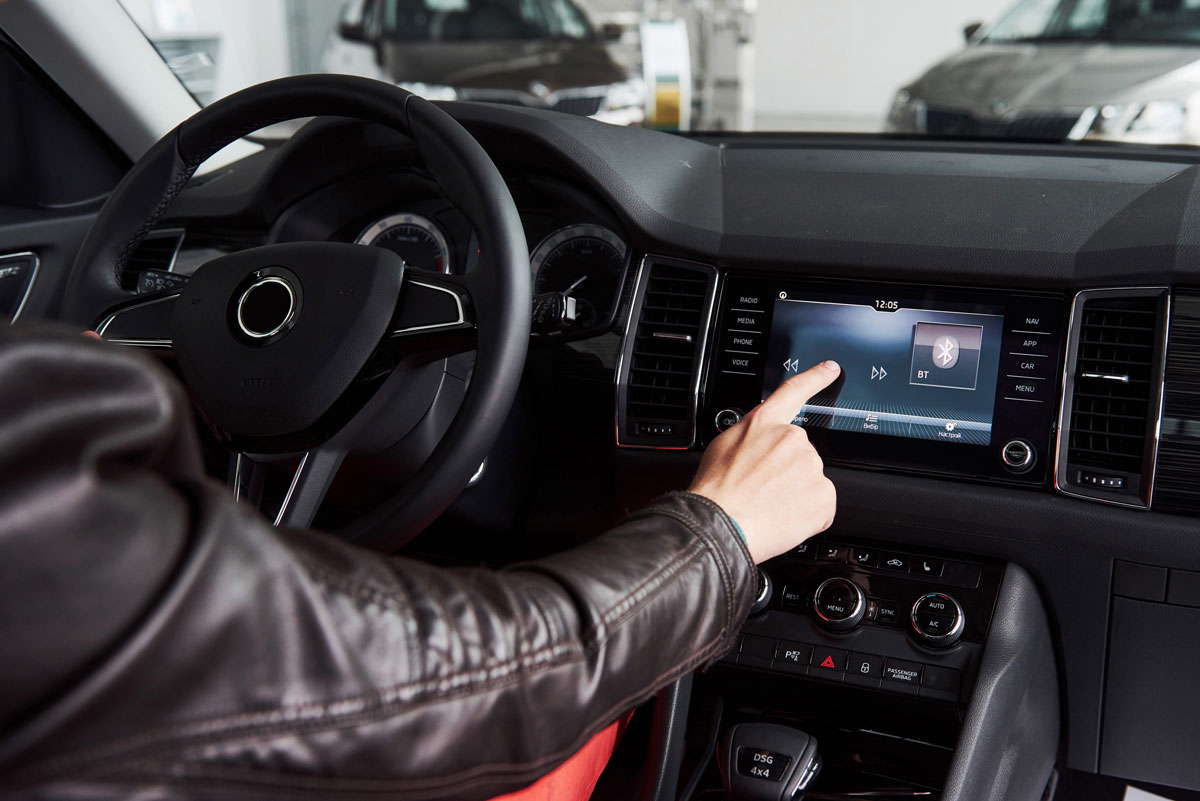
(626, 94)
(430, 91)
(907, 114)
(1156, 122)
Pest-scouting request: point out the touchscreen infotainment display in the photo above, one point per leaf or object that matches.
(909, 369)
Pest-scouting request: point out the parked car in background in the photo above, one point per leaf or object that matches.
(1124, 70)
(536, 53)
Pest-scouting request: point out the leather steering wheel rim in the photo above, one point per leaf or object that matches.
(500, 282)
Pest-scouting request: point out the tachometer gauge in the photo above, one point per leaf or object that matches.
(414, 238)
(586, 262)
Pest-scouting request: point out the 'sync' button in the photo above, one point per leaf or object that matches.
(888, 611)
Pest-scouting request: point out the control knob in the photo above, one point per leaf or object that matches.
(937, 620)
(840, 604)
(765, 591)
(727, 418)
(1018, 456)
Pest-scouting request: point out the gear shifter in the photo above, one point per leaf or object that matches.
(767, 762)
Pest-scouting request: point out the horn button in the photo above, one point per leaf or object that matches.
(267, 308)
(270, 338)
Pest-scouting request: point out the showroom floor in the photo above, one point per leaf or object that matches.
(1076, 786)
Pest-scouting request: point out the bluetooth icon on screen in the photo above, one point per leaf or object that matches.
(945, 352)
(946, 355)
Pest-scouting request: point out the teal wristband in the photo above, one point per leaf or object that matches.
(741, 533)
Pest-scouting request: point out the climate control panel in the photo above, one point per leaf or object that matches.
(872, 617)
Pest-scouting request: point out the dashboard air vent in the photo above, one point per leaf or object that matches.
(156, 252)
(659, 377)
(1113, 393)
(1176, 488)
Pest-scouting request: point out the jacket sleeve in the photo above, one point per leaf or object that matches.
(159, 634)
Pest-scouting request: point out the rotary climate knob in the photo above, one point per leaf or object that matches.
(937, 620)
(840, 604)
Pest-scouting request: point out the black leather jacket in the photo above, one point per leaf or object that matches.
(158, 640)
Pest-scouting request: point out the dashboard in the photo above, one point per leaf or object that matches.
(1017, 427)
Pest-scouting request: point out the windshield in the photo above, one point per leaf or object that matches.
(1148, 21)
(476, 20)
(1061, 71)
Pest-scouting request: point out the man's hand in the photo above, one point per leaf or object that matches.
(765, 473)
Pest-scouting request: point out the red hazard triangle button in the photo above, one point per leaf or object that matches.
(832, 661)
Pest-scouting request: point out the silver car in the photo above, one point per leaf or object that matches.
(1125, 70)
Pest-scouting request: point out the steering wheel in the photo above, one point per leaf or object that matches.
(303, 348)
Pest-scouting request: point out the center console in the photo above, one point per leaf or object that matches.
(872, 617)
(935, 380)
(913, 673)
(885, 669)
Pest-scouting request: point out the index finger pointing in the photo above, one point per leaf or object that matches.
(786, 402)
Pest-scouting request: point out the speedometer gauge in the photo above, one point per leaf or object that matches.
(414, 238)
(585, 262)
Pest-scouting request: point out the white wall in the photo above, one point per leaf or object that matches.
(836, 64)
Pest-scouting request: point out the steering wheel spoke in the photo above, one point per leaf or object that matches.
(434, 316)
(143, 322)
(305, 492)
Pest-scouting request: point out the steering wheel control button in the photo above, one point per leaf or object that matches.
(937, 620)
(864, 670)
(757, 651)
(840, 604)
(940, 683)
(793, 657)
(827, 663)
(1018, 456)
(902, 677)
(727, 418)
(898, 562)
(759, 763)
(267, 307)
(763, 598)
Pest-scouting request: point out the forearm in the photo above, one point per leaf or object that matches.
(251, 657)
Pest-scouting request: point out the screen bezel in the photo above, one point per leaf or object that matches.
(871, 450)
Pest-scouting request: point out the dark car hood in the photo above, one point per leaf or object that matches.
(992, 79)
(513, 65)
